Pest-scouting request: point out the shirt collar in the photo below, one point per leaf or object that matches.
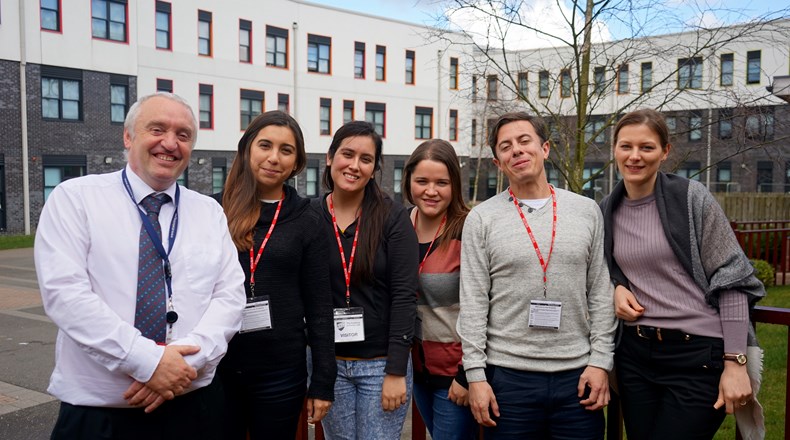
(141, 189)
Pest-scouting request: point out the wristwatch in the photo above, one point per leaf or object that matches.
(740, 358)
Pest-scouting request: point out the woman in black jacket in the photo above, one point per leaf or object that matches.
(283, 255)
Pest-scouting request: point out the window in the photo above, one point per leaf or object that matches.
(565, 83)
(690, 73)
(491, 88)
(695, 126)
(689, 170)
(622, 79)
(599, 79)
(523, 85)
(318, 53)
(474, 88)
(672, 124)
(423, 122)
(283, 103)
(119, 98)
(61, 93)
(765, 176)
(454, 73)
(204, 33)
(409, 67)
(381, 63)
(760, 126)
(50, 15)
(453, 125)
(59, 168)
(595, 185)
(552, 174)
(348, 111)
(311, 180)
(245, 41)
(723, 176)
(474, 132)
(250, 106)
(163, 23)
(375, 114)
(219, 171)
(725, 123)
(543, 84)
(727, 64)
(164, 85)
(595, 127)
(397, 179)
(206, 105)
(491, 183)
(647, 77)
(276, 47)
(359, 60)
(109, 19)
(325, 117)
(753, 67)
(183, 179)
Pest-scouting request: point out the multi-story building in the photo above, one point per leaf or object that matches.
(79, 65)
(69, 71)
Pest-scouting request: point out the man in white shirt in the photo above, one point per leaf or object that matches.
(113, 379)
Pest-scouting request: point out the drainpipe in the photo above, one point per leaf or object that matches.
(295, 27)
(439, 114)
(23, 116)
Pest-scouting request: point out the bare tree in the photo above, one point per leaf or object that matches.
(583, 86)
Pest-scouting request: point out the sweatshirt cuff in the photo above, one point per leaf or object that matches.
(476, 375)
(604, 361)
(397, 359)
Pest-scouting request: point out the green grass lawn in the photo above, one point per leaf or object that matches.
(15, 241)
(773, 340)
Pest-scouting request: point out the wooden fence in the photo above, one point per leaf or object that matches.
(754, 206)
(769, 241)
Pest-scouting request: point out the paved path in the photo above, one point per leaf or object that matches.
(27, 353)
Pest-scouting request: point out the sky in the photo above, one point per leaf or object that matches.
(549, 14)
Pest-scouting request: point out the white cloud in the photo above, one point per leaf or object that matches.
(538, 23)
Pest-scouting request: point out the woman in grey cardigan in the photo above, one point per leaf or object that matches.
(684, 290)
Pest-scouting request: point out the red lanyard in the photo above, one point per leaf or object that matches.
(346, 268)
(543, 264)
(444, 219)
(254, 262)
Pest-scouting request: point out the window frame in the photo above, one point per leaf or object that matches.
(58, 17)
(119, 81)
(284, 99)
(325, 116)
(273, 35)
(623, 87)
(410, 68)
(162, 83)
(381, 69)
(108, 21)
(359, 69)
(646, 81)
(316, 43)
(522, 82)
(543, 84)
(452, 125)
(164, 8)
(377, 108)
(599, 80)
(695, 130)
(694, 68)
(348, 105)
(731, 69)
(208, 18)
(565, 83)
(492, 88)
(245, 25)
(249, 114)
(749, 63)
(61, 74)
(453, 73)
(206, 90)
(421, 115)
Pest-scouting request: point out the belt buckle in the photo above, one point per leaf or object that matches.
(639, 332)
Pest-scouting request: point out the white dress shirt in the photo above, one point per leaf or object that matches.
(86, 254)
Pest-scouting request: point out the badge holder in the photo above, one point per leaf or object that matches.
(256, 315)
(349, 324)
(545, 314)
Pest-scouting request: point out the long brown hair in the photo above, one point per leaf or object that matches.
(440, 151)
(240, 197)
(374, 206)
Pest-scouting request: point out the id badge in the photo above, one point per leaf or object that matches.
(349, 324)
(256, 315)
(545, 314)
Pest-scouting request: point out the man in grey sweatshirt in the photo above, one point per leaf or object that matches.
(537, 320)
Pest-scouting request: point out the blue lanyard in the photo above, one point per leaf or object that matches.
(157, 242)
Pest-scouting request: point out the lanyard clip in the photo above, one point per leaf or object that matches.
(168, 273)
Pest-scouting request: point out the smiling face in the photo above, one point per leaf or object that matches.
(638, 154)
(160, 143)
(273, 156)
(353, 164)
(520, 153)
(431, 188)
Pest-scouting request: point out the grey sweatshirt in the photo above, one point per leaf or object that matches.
(501, 274)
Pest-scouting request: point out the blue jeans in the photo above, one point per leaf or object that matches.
(541, 405)
(444, 419)
(356, 413)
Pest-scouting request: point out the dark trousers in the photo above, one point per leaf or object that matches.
(668, 387)
(541, 406)
(266, 403)
(194, 415)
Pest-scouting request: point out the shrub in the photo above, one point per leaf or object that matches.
(764, 272)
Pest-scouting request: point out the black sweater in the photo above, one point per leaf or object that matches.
(294, 273)
(390, 300)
